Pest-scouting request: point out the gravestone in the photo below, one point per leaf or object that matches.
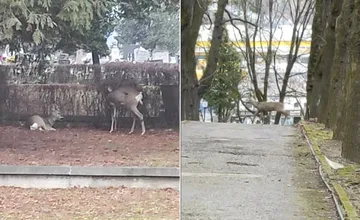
(141, 55)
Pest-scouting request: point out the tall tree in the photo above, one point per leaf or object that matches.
(37, 27)
(314, 74)
(92, 40)
(337, 102)
(223, 95)
(264, 61)
(159, 29)
(103, 24)
(192, 13)
(192, 90)
(34, 16)
(301, 12)
(351, 138)
(69, 25)
(266, 18)
(328, 51)
(343, 95)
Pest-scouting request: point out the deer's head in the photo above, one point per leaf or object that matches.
(55, 112)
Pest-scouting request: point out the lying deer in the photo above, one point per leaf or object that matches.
(129, 97)
(268, 107)
(36, 122)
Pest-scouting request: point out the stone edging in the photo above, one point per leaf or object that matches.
(170, 172)
(341, 193)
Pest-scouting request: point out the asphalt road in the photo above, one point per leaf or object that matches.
(239, 172)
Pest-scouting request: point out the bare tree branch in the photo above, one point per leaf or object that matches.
(231, 19)
(243, 103)
(208, 16)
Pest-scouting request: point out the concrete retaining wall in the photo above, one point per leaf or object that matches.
(77, 176)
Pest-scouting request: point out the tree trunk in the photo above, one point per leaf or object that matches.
(41, 67)
(238, 113)
(191, 19)
(220, 114)
(216, 39)
(151, 54)
(327, 60)
(351, 142)
(300, 22)
(250, 51)
(96, 63)
(269, 53)
(336, 110)
(290, 63)
(190, 100)
(281, 99)
(95, 57)
(314, 73)
(3, 90)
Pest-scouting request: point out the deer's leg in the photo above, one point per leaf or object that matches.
(133, 125)
(140, 116)
(112, 121)
(284, 119)
(256, 113)
(113, 118)
(286, 115)
(269, 118)
(263, 117)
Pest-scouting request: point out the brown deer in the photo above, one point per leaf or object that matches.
(262, 107)
(36, 122)
(129, 97)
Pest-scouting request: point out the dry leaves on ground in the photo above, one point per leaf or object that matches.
(83, 146)
(88, 203)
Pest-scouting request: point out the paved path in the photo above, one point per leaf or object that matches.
(238, 172)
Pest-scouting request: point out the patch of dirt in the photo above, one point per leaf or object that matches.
(88, 203)
(314, 199)
(330, 148)
(348, 177)
(83, 146)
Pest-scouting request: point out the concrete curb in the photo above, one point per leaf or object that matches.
(170, 172)
(341, 194)
(51, 177)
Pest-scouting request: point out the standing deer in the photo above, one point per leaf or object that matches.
(268, 107)
(129, 97)
(36, 122)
